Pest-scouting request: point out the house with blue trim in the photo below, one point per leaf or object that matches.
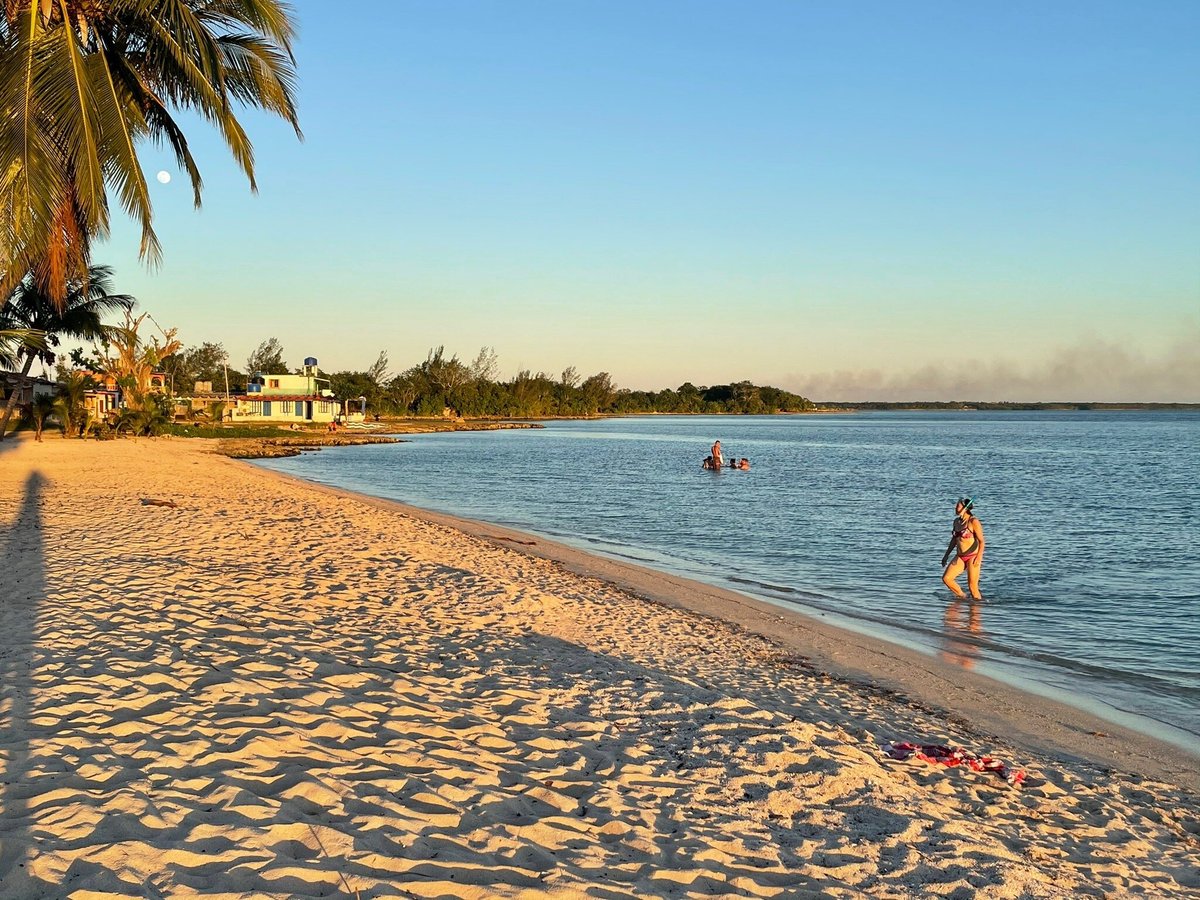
(303, 397)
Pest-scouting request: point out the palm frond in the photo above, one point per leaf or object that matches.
(272, 19)
(67, 94)
(191, 84)
(160, 124)
(18, 342)
(258, 74)
(122, 123)
(84, 82)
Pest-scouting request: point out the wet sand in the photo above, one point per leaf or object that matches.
(274, 689)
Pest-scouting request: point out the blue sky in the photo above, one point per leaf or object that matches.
(848, 200)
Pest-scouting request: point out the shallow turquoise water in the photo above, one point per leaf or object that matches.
(1092, 573)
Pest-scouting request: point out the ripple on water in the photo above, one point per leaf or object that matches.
(1091, 520)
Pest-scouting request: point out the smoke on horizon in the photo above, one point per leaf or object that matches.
(1094, 371)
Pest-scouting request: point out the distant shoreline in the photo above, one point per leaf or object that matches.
(985, 406)
(929, 406)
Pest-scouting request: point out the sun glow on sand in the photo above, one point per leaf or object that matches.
(387, 707)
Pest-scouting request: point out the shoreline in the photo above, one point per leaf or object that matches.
(1027, 720)
(217, 679)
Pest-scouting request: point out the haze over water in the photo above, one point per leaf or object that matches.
(1093, 551)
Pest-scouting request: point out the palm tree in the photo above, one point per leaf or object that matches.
(216, 412)
(42, 409)
(80, 316)
(70, 405)
(84, 82)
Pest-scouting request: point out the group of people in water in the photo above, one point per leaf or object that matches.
(966, 535)
(710, 463)
(716, 460)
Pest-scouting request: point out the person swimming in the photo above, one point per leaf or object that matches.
(967, 543)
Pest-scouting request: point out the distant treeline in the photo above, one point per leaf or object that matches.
(444, 383)
(741, 397)
(983, 405)
(439, 385)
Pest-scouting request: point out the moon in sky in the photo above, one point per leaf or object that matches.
(164, 177)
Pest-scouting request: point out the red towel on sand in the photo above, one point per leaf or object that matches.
(954, 756)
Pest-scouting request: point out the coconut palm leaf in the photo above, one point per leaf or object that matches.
(84, 82)
(15, 341)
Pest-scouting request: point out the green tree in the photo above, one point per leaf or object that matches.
(371, 384)
(378, 373)
(746, 398)
(80, 315)
(597, 392)
(526, 394)
(205, 362)
(267, 359)
(352, 385)
(446, 377)
(403, 390)
(81, 360)
(85, 82)
(486, 365)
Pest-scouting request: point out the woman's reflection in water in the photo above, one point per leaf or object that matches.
(962, 633)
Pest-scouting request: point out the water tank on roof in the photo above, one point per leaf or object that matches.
(310, 360)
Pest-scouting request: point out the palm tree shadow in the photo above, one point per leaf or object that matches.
(13, 439)
(22, 562)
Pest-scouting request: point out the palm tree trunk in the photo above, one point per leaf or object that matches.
(12, 398)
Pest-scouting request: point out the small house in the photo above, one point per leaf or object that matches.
(286, 399)
(27, 388)
(104, 398)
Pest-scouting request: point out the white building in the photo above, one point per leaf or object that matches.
(288, 398)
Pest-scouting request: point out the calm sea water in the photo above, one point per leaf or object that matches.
(1092, 572)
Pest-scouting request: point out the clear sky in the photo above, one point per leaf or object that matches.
(850, 200)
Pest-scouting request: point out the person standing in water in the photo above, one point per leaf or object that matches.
(718, 459)
(966, 542)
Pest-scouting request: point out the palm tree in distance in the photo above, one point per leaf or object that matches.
(80, 315)
(84, 82)
(40, 411)
(70, 404)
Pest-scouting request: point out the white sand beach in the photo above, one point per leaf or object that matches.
(272, 689)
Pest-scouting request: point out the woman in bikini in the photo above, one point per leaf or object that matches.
(966, 541)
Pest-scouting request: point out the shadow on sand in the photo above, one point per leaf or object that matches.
(379, 728)
(23, 571)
